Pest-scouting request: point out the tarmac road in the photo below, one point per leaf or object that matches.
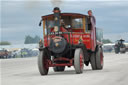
(24, 71)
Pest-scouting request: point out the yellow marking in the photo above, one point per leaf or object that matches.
(57, 44)
(84, 24)
(86, 40)
(81, 37)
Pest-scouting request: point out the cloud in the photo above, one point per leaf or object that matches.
(120, 13)
(115, 36)
(22, 19)
(65, 0)
(18, 33)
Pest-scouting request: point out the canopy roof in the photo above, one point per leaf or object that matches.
(77, 15)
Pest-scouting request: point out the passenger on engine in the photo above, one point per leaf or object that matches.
(91, 19)
(91, 16)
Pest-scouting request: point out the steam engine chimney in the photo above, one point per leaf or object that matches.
(56, 11)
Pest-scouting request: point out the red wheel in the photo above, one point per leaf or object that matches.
(79, 61)
(42, 63)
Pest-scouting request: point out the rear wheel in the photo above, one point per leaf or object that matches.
(122, 50)
(99, 59)
(79, 61)
(59, 68)
(93, 61)
(96, 59)
(42, 63)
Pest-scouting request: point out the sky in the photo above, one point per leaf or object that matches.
(20, 18)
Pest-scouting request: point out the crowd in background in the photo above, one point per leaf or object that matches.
(18, 53)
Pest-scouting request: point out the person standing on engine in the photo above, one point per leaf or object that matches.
(91, 16)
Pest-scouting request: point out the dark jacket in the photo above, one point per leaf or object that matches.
(93, 19)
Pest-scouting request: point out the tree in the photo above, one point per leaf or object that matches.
(5, 43)
(105, 41)
(31, 40)
(28, 39)
(36, 39)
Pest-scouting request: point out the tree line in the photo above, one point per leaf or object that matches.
(28, 40)
(5, 43)
(31, 40)
(105, 41)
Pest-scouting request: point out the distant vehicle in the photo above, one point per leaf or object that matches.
(108, 47)
(126, 44)
(120, 47)
(69, 41)
(25, 52)
(3, 54)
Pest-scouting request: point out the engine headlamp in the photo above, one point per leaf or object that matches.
(56, 44)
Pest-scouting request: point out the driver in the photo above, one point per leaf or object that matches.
(62, 23)
(63, 26)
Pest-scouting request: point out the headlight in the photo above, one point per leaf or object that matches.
(55, 28)
(56, 44)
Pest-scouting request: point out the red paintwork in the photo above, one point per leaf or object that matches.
(101, 57)
(78, 30)
(61, 58)
(45, 63)
(77, 36)
(89, 39)
(63, 14)
(66, 64)
(50, 64)
(81, 61)
(74, 39)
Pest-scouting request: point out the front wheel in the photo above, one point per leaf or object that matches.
(42, 63)
(79, 61)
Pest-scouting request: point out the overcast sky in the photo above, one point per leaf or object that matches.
(21, 17)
